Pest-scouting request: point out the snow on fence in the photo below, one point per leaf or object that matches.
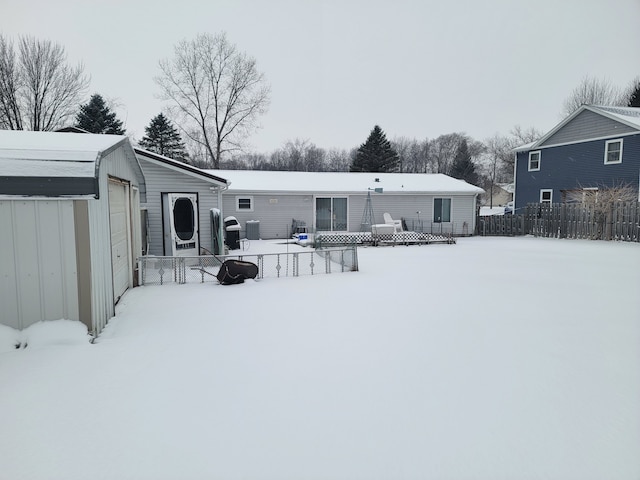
(324, 240)
(619, 221)
(160, 270)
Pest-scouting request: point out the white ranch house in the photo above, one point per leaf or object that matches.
(330, 201)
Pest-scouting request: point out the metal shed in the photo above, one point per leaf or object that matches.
(70, 213)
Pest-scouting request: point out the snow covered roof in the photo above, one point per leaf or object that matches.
(525, 147)
(207, 175)
(507, 187)
(52, 164)
(343, 182)
(627, 115)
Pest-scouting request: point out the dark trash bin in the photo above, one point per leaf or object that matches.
(232, 232)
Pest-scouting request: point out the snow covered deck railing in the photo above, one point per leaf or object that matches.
(368, 238)
(160, 270)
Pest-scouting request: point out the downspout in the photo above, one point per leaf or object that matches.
(221, 223)
(515, 179)
(475, 214)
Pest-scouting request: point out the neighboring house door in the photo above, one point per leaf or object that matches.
(331, 214)
(120, 235)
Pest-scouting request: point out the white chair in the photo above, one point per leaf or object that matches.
(397, 224)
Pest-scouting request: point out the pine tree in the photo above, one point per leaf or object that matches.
(463, 167)
(96, 117)
(634, 96)
(162, 138)
(376, 154)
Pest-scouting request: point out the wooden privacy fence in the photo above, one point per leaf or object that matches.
(618, 221)
(501, 225)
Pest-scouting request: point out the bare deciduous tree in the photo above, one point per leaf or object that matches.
(593, 91)
(498, 154)
(632, 93)
(443, 150)
(38, 89)
(216, 89)
(602, 197)
(602, 200)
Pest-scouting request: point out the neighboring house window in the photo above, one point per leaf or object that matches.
(244, 204)
(441, 210)
(613, 151)
(546, 196)
(534, 161)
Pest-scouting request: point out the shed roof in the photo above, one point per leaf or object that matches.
(206, 175)
(343, 182)
(52, 164)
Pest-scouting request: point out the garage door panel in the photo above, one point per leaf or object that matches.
(119, 224)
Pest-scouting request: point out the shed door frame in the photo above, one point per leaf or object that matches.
(120, 236)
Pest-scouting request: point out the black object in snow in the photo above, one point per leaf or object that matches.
(233, 272)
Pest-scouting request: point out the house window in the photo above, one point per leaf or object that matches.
(441, 210)
(534, 161)
(546, 196)
(613, 151)
(244, 204)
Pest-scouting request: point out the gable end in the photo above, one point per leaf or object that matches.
(587, 125)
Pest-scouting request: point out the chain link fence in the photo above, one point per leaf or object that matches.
(160, 270)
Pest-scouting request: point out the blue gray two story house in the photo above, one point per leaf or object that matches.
(595, 147)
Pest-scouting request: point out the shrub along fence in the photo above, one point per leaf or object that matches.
(618, 221)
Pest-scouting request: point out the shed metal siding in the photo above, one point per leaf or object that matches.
(116, 164)
(37, 254)
(161, 180)
(577, 165)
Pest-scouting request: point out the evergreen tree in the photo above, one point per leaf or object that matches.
(162, 138)
(634, 96)
(463, 167)
(97, 117)
(376, 154)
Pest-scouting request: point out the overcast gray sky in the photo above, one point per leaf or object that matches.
(337, 68)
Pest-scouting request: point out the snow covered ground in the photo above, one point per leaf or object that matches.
(496, 358)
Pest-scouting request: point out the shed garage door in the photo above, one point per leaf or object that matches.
(120, 248)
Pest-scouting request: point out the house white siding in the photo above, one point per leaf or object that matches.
(276, 211)
(37, 254)
(414, 208)
(159, 180)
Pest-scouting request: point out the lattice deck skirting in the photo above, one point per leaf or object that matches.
(367, 238)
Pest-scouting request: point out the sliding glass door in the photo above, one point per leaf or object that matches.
(331, 214)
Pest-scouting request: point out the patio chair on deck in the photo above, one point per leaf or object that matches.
(397, 224)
